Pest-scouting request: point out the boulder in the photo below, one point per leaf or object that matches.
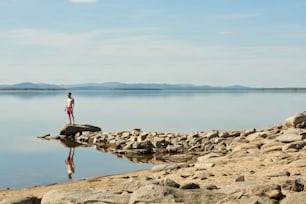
(77, 128)
(296, 121)
(84, 196)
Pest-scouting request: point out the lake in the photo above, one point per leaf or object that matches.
(24, 115)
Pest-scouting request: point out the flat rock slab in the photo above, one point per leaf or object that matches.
(287, 138)
(73, 129)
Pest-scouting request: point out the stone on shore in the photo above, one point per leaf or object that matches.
(296, 121)
(78, 128)
(84, 196)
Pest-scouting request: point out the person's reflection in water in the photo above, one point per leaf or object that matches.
(69, 163)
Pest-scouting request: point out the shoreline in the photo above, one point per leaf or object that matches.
(92, 182)
(241, 166)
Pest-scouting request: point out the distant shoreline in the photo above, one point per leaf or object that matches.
(118, 86)
(155, 89)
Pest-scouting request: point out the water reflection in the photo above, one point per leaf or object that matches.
(135, 156)
(70, 163)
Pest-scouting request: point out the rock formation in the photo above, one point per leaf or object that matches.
(239, 166)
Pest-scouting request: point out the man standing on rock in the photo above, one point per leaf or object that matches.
(69, 108)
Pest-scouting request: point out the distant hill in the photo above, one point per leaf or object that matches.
(116, 86)
(30, 86)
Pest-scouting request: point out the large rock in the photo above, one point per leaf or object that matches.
(73, 129)
(62, 196)
(164, 194)
(296, 121)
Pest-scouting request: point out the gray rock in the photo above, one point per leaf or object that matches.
(73, 129)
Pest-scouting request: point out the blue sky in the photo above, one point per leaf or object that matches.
(214, 42)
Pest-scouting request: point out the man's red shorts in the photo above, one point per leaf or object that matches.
(69, 110)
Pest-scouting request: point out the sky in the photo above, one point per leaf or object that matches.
(258, 43)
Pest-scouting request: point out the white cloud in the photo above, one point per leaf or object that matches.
(122, 54)
(238, 16)
(83, 1)
(115, 43)
(225, 33)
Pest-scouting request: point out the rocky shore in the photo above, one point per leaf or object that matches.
(218, 166)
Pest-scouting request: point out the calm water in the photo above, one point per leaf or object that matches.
(28, 161)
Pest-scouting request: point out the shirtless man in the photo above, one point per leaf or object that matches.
(69, 108)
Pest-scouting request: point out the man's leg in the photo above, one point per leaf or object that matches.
(72, 118)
